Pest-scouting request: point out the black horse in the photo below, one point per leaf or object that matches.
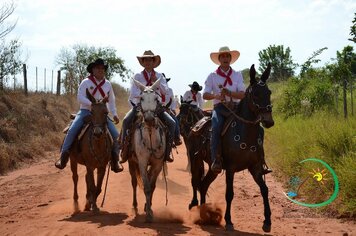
(241, 146)
(188, 115)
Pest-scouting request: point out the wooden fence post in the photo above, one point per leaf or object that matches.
(58, 83)
(25, 78)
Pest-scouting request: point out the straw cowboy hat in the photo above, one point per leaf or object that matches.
(97, 62)
(195, 86)
(215, 55)
(149, 53)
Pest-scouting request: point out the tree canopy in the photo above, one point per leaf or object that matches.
(74, 61)
(281, 61)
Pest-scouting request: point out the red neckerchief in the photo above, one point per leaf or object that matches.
(194, 95)
(149, 81)
(227, 77)
(98, 86)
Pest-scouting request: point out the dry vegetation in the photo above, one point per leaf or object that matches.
(31, 125)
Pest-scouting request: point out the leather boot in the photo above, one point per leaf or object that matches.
(115, 165)
(63, 160)
(167, 156)
(216, 166)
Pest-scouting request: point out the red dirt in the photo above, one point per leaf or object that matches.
(37, 200)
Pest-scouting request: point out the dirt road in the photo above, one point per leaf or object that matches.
(37, 200)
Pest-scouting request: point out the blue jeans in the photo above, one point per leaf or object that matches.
(176, 129)
(217, 122)
(77, 125)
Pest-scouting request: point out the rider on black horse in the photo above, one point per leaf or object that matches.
(224, 84)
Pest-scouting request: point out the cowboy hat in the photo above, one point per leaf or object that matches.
(215, 55)
(167, 79)
(195, 86)
(97, 62)
(149, 53)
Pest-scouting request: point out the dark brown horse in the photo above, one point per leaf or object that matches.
(93, 151)
(241, 146)
(188, 115)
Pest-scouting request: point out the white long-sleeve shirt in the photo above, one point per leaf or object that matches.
(135, 92)
(188, 96)
(214, 80)
(85, 103)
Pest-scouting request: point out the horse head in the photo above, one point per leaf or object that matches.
(148, 101)
(99, 113)
(259, 97)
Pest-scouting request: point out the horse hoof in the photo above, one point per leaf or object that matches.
(149, 219)
(96, 210)
(229, 227)
(266, 227)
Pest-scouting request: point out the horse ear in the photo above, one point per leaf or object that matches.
(90, 97)
(181, 99)
(139, 85)
(252, 74)
(266, 73)
(156, 84)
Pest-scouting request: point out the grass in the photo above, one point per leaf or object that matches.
(325, 136)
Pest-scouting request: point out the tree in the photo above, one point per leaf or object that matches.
(311, 60)
(281, 61)
(5, 11)
(353, 30)
(75, 60)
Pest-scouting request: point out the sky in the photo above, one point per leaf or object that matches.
(182, 32)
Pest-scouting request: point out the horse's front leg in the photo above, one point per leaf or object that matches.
(74, 169)
(153, 175)
(91, 191)
(133, 167)
(257, 176)
(147, 189)
(197, 172)
(100, 178)
(229, 195)
(205, 183)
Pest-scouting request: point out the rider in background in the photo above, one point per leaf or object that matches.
(194, 95)
(147, 77)
(99, 87)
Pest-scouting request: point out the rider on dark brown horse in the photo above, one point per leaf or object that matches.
(99, 87)
(147, 77)
(194, 95)
(224, 84)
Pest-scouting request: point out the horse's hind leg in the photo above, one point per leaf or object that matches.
(74, 169)
(264, 191)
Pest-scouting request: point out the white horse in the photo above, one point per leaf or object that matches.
(149, 146)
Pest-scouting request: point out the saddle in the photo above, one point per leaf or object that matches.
(199, 127)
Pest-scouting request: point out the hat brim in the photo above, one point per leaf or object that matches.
(214, 56)
(157, 60)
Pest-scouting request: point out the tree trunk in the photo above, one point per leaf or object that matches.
(345, 100)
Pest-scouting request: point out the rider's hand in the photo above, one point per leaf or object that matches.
(116, 120)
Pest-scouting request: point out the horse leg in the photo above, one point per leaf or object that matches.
(91, 189)
(74, 169)
(264, 191)
(205, 183)
(197, 172)
(132, 168)
(147, 190)
(229, 195)
(99, 184)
